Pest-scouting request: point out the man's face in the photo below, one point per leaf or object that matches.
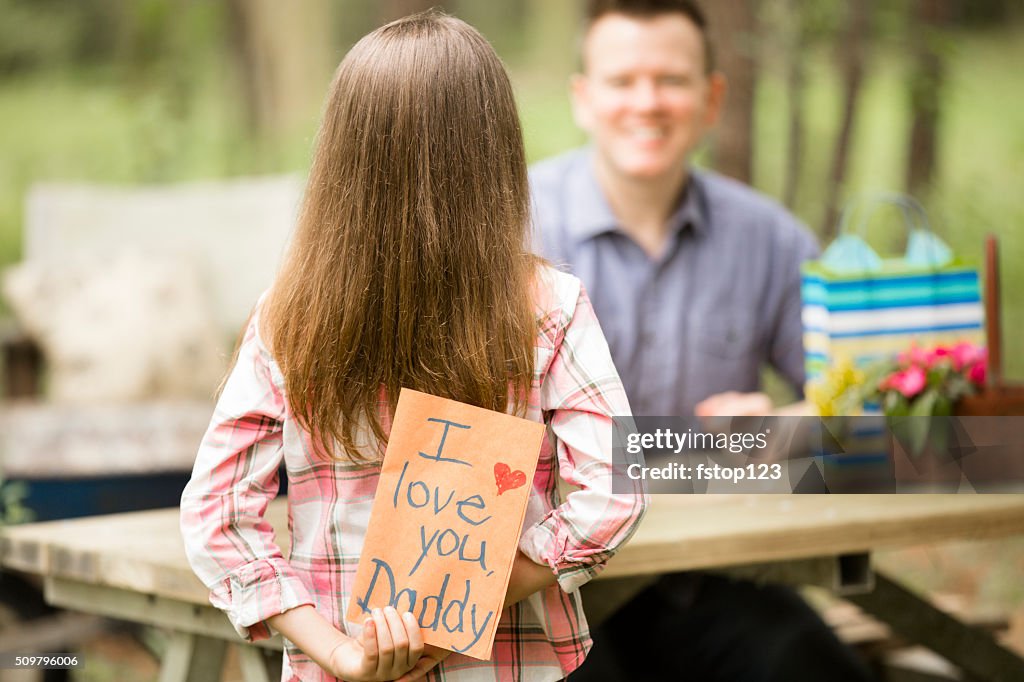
(644, 96)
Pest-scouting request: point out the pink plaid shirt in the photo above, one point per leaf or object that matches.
(575, 391)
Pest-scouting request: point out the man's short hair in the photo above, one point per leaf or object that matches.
(646, 9)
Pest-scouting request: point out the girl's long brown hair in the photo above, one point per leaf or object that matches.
(408, 266)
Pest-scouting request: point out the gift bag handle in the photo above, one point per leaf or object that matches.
(923, 247)
(914, 216)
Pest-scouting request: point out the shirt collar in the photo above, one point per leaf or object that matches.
(691, 211)
(589, 214)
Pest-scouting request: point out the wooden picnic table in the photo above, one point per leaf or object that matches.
(133, 567)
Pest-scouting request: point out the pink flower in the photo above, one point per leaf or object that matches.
(915, 356)
(966, 354)
(976, 374)
(937, 355)
(909, 382)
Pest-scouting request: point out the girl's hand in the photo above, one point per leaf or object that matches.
(431, 657)
(389, 647)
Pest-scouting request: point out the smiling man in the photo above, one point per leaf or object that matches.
(695, 280)
(695, 277)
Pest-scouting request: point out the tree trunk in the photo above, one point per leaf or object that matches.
(283, 55)
(929, 17)
(795, 44)
(852, 58)
(733, 27)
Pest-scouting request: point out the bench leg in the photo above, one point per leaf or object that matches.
(974, 651)
(259, 665)
(191, 658)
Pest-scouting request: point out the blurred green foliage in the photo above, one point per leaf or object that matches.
(146, 91)
(12, 508)
(45, 33)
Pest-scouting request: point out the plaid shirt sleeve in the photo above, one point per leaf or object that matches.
(228, 542)
(580, 394)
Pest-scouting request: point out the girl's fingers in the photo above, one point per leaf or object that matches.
(385, 645)
(369, 641)
(412, 628)
(399, 639)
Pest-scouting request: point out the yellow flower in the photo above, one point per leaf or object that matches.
(838, 391)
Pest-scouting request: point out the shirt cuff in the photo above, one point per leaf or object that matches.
(256, 591)
(548, 545)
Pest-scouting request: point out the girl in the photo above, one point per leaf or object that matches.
(408, 267)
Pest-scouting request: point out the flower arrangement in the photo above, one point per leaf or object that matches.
(927, 381)
(917, 382)
(920, 382)
(840, 390)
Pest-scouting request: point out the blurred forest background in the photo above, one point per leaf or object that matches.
(827, 100)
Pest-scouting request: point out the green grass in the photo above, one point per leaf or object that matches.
(94, 126)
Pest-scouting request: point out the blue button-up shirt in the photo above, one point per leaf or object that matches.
(722, 299)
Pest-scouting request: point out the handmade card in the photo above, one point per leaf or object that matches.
(445, 523)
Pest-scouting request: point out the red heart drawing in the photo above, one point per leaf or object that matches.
(506, 478)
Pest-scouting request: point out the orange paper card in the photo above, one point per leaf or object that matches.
(446, 519)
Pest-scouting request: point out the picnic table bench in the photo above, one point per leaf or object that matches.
(132, 566)
(167, 276)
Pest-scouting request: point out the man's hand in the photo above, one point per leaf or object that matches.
(735, 404)
(390, 648)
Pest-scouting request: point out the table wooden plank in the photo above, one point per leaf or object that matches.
(708, 531)
(143, 551)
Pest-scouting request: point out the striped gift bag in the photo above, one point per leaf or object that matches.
(861, 307)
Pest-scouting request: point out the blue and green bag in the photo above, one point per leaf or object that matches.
(860, 307)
